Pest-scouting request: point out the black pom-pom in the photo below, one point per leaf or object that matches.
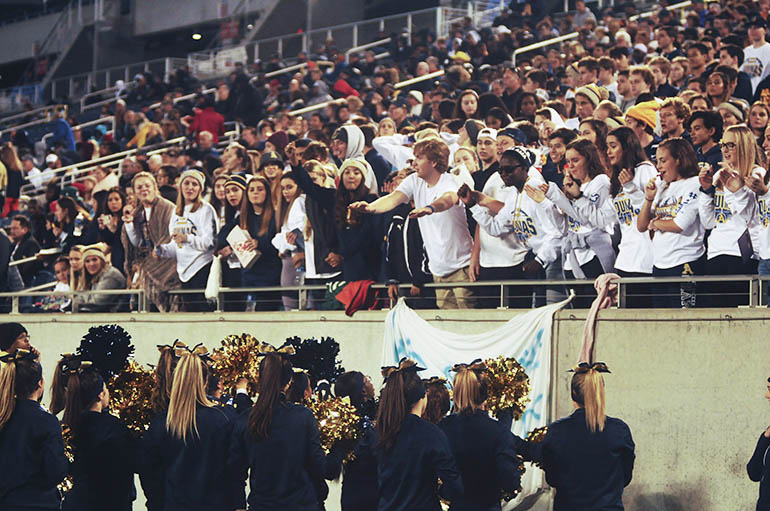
(108, 347)
(318, 357)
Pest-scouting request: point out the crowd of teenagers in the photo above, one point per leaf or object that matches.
(637, 149)
(418, 443)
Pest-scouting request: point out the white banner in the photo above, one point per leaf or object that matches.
(526, 337)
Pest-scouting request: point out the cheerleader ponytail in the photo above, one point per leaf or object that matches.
(588, 392)
(275, 373)
(84, 388)
(20, 375)
(470, 387)
(403, 389)
(188, 390)
(164, 374)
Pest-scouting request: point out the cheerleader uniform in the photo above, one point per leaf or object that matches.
(485, 452)
(759, 471)
(588, 470)
(408, 473)
(105, 462)
(191, 476)
(33, 460)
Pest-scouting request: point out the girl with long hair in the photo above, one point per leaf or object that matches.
(596, 131)
(670, 210)
(218, 201)
(359, 483)
(106, 456)
(193, 228)
(588, 457)
(587, 247)
(438, 399)
(235, 188)
(278, 446)
(99, 275)
(290, 220)
(33, 460)
(718, 88)
(412, 454)
(630, 173)
(77, 269)
(759, 114)
(163, 376)
(186, 446)
(730, 247)
(14, 178)
(109, 218)
(467, 105)
(258, 218)
(484, 448)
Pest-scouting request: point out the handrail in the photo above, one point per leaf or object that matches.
(541, 44)
(94, 122)
(313, 108)
(114, 88)
(35, 257)
(33, 123)
(367, 46)
(680, 5)
(412, 81)
(103, 102)
(36, 111)
(296, 67)
(212, 90)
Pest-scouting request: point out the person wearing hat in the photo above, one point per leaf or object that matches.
(349, 143)
(99, 275)
(642, 118)
(193, 228)
(277, 142)
(756, 56)
(13, 336)
(587, 98)
(512, 83)
(486, 148)
(732, 112)
(535, 226)
(235, 190)
(270, 167)
(415, 98)
(399, 112)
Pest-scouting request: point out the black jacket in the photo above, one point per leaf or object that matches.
(405, 256)
(360, 490)
(284, 466)
(106, 458)
(33, 460)
(319, 205)
(588, 470)
(408, 474)
(759, 471)
(193, 476)
(379, 165)
(27, 247)
(485, 453)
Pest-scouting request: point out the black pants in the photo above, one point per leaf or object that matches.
(726, 294)
(585, 293)
(519, 297)
(673, 295)
(196, 302)
(638, 296)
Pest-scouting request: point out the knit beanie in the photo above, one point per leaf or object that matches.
(644, 113)
(593, 93)
(9, 332)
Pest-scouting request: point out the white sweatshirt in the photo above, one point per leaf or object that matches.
(504, 249)
(201, 227)
(678, 202)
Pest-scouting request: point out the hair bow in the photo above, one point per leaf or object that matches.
(266, 348)
(584, 367)
(476, 365)
(199, 349)
(177, 344)
(405, 365)
(74, 364)
(435, 379)
(20, 354)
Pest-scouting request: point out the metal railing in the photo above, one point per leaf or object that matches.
(418, 79)
(319, 106)
(102, 120)
(48, 118)
(99, 93)
(46, 111)
(754, 297)
(675, 7)
(295, 67)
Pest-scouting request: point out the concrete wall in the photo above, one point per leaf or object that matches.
(17, 40)
(690, 384)
(154, 16)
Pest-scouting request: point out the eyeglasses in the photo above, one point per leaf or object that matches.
(510, 169)
(730, 146)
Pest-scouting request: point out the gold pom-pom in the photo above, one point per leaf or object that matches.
(66, 484)
(508, 386)
(537, 435)
(338, 421)
(131, 397)
(238, 357)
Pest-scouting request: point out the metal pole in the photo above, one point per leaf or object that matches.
(309, 17)
(409, 28)
(355, 36)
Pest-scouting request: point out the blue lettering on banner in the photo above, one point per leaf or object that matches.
(529, 358)
(531, 415)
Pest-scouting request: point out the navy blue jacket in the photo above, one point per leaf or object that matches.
(106, 458)
(192, 476)
(284, 465)
(408, 473)
(266, 271)
(485, 452)
(588, 470)
(713, 156)
(33, 460)
(759, 471)
(379, 165)
(360, 489)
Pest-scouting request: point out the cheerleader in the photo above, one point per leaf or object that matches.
(758, 466)
(193, 228)
(359, 484)
(588, 457)
(485, 449)
(186, 447)
(730, 247)
(105, 454)
(412, 454)
(278, 445)
(587, 249)
(671, 212)
(33, 460)
(438, 398)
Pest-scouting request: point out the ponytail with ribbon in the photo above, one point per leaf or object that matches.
(470, 387)
(403, 389)
(588, 392)
(20, 374)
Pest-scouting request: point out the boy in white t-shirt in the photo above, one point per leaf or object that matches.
(446, 236)
(756, 57)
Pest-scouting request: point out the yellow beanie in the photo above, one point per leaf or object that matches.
(644, 113)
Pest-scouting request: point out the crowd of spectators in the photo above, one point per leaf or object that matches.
(638, 148)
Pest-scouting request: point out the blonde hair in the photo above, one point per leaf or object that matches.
(77, 278)
(745, 148)
(187, 391)
(180, 199)
(7, 392)
(469, 389)
(588, 392)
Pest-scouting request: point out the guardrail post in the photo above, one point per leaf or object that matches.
(300, 300)
(439, 23)
(219, 301)
(753, 293)
(382, 25)
(167, 70)
(15, 305)
(409, 28)
(355, 35)
(280, 48)
(621, 295)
